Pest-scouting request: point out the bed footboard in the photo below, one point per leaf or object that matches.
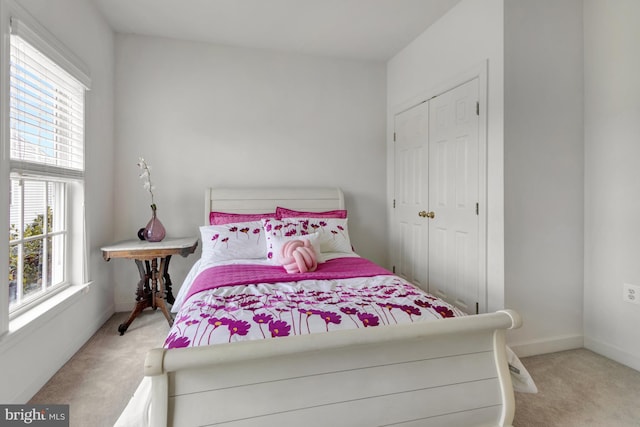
(450, 372)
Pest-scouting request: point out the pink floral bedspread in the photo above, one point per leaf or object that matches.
(239, 302)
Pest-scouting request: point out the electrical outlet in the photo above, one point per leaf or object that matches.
(631, 293)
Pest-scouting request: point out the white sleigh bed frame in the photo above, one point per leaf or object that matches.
(452, 372)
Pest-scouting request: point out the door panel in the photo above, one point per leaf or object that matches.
(411, 194)
(453, 183)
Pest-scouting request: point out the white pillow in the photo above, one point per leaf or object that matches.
(274, 247)
(274, 228)
(334, 235)
(233, 241)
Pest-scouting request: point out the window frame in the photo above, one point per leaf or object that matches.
(76, 277)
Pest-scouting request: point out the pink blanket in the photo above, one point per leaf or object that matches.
(232, 275)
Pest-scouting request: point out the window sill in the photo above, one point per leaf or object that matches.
(22, 325)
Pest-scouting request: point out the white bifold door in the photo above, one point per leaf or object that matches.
(437, 197)
(412, 195)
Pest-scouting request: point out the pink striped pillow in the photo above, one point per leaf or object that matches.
(222, 218)
(290, 213)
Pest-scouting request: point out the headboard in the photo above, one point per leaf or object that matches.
(259, 200)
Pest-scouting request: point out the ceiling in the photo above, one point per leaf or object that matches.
(358, 29)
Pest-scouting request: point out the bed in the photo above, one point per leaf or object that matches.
(336, 341)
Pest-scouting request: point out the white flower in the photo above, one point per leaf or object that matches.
(146, 176)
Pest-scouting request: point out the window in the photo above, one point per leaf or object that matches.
(37, 236)
(46, 146)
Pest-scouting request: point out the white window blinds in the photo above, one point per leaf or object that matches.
(47, 113)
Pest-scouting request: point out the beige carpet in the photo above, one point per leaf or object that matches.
(101, 377)
(577, 388)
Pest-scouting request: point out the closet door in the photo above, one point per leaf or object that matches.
(454, 269)
(411, 231)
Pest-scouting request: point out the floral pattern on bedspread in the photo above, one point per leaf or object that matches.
(257, 311)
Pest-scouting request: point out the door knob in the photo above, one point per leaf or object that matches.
(425, 214)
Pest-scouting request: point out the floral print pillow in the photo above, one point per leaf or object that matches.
(240, 240)
(333, 232)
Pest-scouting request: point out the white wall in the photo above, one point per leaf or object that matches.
(29, 357)
(612, 176)
(466, 37)
(544, 157)
(205, 115)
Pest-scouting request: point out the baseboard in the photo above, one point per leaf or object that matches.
(612, 352)
(532, 348)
